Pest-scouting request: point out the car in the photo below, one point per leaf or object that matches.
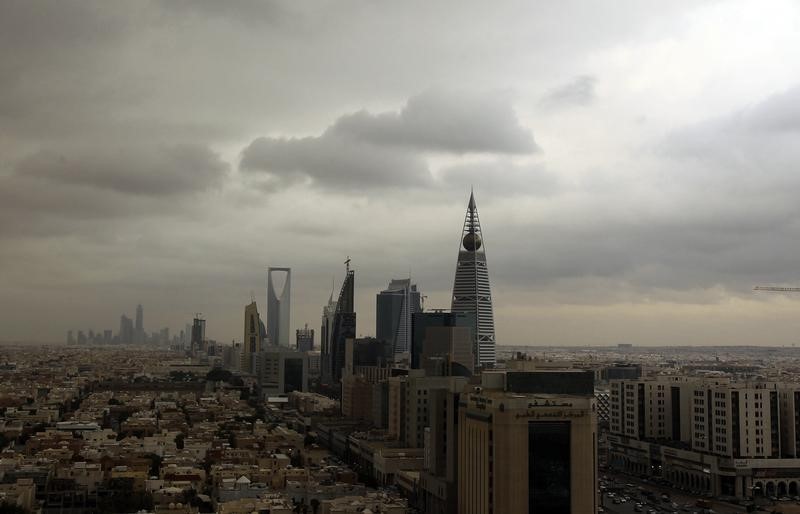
(638, 508)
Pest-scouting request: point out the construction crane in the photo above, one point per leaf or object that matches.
(777, 289)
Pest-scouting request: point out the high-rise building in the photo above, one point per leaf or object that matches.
(281, 370)
(471, 290)
(252, 336)
(344, 328)
(125, 330)
(278, 307)
(305, 339)
(139, 335)
(527, 443)
(326, 330)
(442, 342)
(393, 311)
(198, 334)
(107, 336)
(438, 481)
(70, 337)
(715, 421)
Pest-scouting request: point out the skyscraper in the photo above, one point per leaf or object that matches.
(125, 330)
(393, 311)
(198, 333)
(326, 330)
(252, 336)
(471, 291)
(139, 332)
(344, 327)
(441, 343)
(278, 307)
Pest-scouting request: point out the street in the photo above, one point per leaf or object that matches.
(680, 498)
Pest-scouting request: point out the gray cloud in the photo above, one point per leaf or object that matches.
(502, 178)
(86, 192)
(715, 207)
(446, 121)
(154, 171)
(366, 150)
(780, 112)
(579, 91)
(333, 162)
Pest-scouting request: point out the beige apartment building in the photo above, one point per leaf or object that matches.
(527, 443)
(713, 435)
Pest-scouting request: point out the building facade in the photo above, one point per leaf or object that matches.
(715, 435)
(527, 443)
(394, 307)
(281, 370)
(253, 336)
(305, 339)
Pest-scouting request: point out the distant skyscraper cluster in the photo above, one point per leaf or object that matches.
(131, 331)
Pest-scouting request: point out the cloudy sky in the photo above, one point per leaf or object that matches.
(636, 164)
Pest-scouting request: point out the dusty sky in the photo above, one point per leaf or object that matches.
(635, 163)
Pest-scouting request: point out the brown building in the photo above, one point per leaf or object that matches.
(356, 397)
(252, 337)
(527, 443)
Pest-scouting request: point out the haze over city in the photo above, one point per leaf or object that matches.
(634, 164)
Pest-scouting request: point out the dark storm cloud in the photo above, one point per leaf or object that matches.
(85, 191)
(446, 121)
(579, 91)
(332, 161)
(153, 171)
(366, 150)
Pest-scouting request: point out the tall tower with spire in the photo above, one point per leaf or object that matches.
(342, 329)
(471, 291)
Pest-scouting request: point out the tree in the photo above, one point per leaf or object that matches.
(219, 375)
(155, 464)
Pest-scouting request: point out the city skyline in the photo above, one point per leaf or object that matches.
(636, 175)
